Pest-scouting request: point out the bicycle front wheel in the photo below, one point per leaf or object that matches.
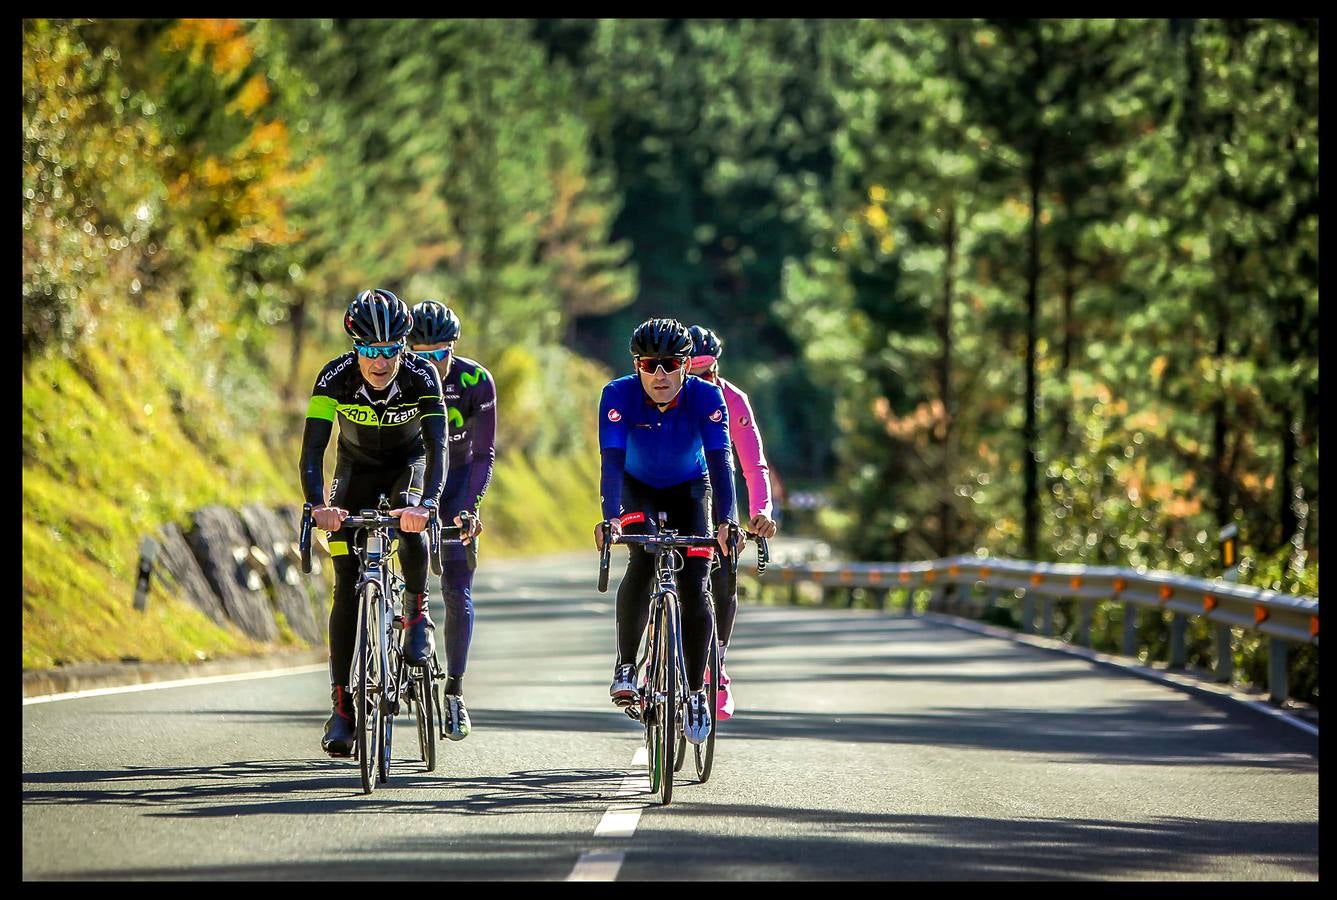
(366, 695)
(667, 697)
(392, 665)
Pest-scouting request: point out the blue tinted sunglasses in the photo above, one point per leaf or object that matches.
(437, 355)
(373, 352)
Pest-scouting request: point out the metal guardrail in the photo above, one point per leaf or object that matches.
(1284, 618)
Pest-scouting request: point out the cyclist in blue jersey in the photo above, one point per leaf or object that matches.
(471, 411)
(664, 448)
(392, 441)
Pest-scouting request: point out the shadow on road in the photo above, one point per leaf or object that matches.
(818, 844)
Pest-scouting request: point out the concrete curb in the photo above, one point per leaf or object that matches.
(90, 676)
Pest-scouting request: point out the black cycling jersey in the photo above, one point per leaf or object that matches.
(404, 421)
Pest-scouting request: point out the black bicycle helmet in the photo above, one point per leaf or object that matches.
(377, 315)
(433, 323)
(661, 337)
(705, 342)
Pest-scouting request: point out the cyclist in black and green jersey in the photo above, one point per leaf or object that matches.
(471, 410)
(392, 441)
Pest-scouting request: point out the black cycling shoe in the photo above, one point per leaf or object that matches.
(418, 642)
(340, 734)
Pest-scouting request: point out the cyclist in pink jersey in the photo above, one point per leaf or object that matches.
(706, 350)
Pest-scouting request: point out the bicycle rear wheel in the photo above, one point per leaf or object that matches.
(392, 664)
(366, 692)
(705, 752)
(424, 709)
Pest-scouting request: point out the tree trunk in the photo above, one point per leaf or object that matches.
(1030, 432)
(292, 389)
(1220, 463)
(947, 533)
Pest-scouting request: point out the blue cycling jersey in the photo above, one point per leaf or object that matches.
(668, 447)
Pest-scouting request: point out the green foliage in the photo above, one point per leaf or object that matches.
(890, 222)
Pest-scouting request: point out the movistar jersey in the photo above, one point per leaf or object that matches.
(471, 413)
(663, 448)
(379, 428)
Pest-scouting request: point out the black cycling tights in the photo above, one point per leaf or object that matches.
(633, 611)
(343, 615)
(726, 604)
(355, 489)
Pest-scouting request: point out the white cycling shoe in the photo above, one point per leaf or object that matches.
(696, 726)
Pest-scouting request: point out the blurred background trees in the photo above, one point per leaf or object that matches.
(1038, 288)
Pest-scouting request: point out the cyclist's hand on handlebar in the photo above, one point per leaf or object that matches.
(722, 536)
(475, 525)
(412, 519)
(328, 518)
(762, 526)
(615, 530)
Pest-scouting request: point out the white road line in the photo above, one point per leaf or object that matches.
(597, 866)
(184, 682)
(619, 821)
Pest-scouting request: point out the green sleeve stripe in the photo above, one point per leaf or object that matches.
(321, 407)
(429, 415)
(338, 548)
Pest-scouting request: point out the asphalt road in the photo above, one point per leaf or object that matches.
(865, 746)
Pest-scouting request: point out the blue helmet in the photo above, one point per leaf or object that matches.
(434, 323)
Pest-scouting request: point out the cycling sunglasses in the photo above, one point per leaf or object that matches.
(373, 352)
(437, 355)
(669, 364)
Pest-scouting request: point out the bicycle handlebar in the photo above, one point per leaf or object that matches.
(674, 541)
(372, 518)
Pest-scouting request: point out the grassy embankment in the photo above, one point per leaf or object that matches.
(137, 432)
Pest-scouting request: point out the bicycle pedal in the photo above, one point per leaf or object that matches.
(633, 711)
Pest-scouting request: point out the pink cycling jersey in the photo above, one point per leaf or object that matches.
(747, 442)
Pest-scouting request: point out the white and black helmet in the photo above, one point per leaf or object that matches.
(377, 315)
(433, 323)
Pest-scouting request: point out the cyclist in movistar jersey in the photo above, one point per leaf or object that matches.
(664, 448)
(707, 348)
(471, 410)
(392, 441)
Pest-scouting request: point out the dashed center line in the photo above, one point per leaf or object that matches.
(619, 821)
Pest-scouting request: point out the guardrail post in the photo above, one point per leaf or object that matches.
(793, 593)
(1047, 616)
(1225, 655)
(991, 602)
(1129, 629)
(1178, 628)
(1028, 613)
(1083, 635)
(148, 552)
(884, 598)
(909, 602)
(1277, 680)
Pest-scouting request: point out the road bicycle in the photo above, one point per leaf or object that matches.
(662, 672)
(381, 680)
